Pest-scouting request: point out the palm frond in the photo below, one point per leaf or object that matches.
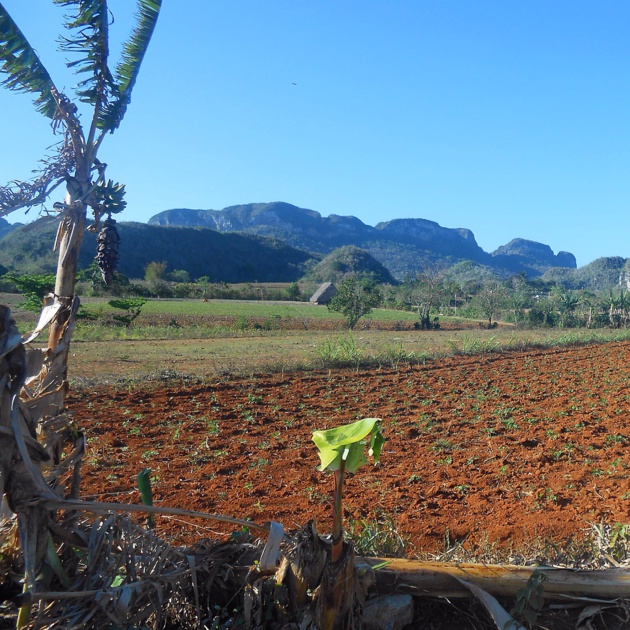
(128, 68)
(89, 26)
(25, 71)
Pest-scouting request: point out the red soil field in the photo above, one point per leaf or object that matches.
(496, 449)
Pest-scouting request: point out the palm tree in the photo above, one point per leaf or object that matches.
(75, 165)
(623, 302)
(588, 301)
(567, 303)
(617, 306)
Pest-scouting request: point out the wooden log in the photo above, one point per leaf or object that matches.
(440, 579)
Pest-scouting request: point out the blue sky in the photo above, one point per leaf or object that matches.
(508, 118)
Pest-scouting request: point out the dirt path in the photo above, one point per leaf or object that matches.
(496, 449)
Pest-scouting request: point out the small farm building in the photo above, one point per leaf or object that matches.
(324, 294)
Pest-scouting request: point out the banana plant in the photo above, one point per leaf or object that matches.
(341, 450)
(106, 94)
(101, 98)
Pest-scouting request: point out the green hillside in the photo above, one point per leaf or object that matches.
(199, 251)
(349, 260)
(601, 274)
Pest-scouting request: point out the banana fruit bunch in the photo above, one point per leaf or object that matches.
(107, 249)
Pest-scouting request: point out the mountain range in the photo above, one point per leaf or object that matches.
(280, 242)
(403, 246)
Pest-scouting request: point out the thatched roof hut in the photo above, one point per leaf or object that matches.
(324, 294)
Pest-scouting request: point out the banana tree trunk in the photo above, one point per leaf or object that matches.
(324, 594)
(442, 579)
(21, 455)
(33, 419)
(68, 244)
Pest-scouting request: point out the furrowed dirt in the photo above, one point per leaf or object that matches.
(495, 449)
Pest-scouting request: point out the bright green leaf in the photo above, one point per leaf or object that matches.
(344, 442)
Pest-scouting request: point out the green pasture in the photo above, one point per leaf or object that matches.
(244, 308)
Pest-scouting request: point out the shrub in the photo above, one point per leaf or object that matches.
(33, 288)
(354, 299)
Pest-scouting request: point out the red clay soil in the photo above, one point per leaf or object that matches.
(496, 449)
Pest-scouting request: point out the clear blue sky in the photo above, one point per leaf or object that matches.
(508, 118)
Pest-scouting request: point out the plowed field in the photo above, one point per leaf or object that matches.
(498, 449)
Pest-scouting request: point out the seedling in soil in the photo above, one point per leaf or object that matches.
(615, 439)
(146, 493)
(212, 426)
(341, 451)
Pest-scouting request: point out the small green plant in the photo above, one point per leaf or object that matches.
(530, 600)
(341, 450)
(378, 537)
(248, 416)
(442, 444)
(212, 426)
(131, 429)
(612, 440)
(131, 308)
(340, 351)
(260, 463)
(547, 495)
(509, 424)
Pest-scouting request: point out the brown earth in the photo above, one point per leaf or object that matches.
(495, 450)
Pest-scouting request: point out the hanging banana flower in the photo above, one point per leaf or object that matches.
(107, 249)
(107, 198)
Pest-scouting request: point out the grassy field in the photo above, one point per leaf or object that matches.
(262, 352)
(244, 308)
(203, 346)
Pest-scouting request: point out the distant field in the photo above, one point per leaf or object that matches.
(203, 339)
(264, 352)
(247, 308)
(194, 318)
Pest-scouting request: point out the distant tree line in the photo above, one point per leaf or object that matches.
(431, 294)
(157, 283)
(517, 300)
